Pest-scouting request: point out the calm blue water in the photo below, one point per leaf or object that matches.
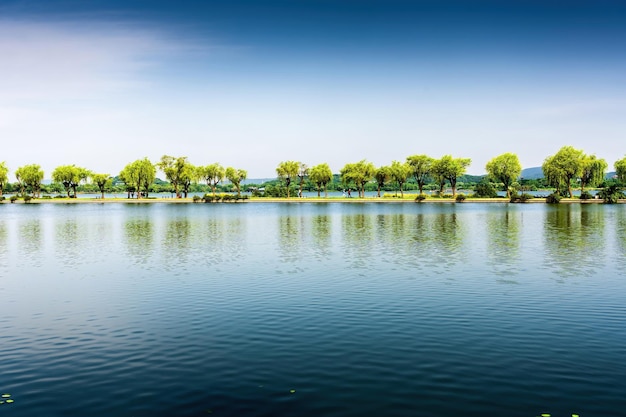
(360, 309)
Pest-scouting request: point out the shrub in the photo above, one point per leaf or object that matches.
(27, 198)
(586, 195)
(420, 198)
(447, 196)
(2, 198)
(460, 198)
(553, 198)
(485, 189)
(523, 198)
(196, 198)
(611, 194)
(13, 198)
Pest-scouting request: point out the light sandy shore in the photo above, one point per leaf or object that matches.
(353, 200)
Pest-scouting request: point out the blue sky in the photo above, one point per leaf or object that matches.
(252, 83)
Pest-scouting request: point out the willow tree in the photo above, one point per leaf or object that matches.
(400, 172)
(176, 170)
(450, 169)
(70, 176)
(620, 170)
(382, 177)
(303, 172)
(235, 176)
(592, 171)
(360, 173)
(505, 168)
(140, 175)
(30, 176)
(4, 176)
(421, 166)
(561, 168)
(321, 175)
(438, 172)
(102, 181)
(213, 174)
(188, 175)
(287, 171)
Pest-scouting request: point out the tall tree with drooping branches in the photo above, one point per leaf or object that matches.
(505, 168)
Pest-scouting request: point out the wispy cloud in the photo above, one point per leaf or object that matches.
(57, 61)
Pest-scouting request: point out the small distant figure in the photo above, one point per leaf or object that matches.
(343, 193)
(349, 193)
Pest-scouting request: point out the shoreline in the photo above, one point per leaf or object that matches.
(331, 200)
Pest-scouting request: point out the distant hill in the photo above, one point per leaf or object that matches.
(532, 173)
(536, 173)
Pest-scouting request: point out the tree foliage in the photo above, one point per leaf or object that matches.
(321, 175)
(303, 172)
(592, 171)
(360, 173)
(620, 170)
(235, 176)
(382, 177)
(561, 168)
(4, 176)
(505, 168)
(421, 166)
(213, 174)
(102, 181)
(70, 176)
(287, 171)
(400, 172)
(30, 177)
(450, 169)
(178, 172)
(139, 175)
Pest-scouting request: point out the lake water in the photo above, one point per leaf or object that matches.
(313, 309)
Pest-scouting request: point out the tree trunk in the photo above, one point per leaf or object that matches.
(378, 190)
(325, 192)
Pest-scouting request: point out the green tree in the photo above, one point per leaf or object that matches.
(286, 171)
(505, 168)
(592, 171)
(176, 170)
(213, 174)
(4, 176)
(382, 176)
(303, 172)
(421, 166)
(102, 181)
(321, 175)
(188, 175)
(70, 176)
(620, 170)
(438, 172)
(139, 175)
(561, 168)
(360, 173)
(30, 177)
(449, 168)
(400, 172)
(235, 176)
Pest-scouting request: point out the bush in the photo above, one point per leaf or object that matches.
(447, 196)
(460, 198)
(553, 198)
(420, 198)
(196, 198)
(485, 189)
(13, 198)
(523, 198)
(27, 198)
(2, 198)
(611, 194)
(586, 195)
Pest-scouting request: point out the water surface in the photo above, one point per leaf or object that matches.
(313, 309)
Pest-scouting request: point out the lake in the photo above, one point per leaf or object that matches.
(313, 309)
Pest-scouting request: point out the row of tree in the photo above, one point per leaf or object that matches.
(560, 171)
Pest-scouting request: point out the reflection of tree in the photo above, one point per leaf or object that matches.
(4, 247)
(290, 232)
(220, 238)
(573, 236)
(357, 231)
(620, 231)
(440, 240)
(321, 232)
(177, 232)
(139, 234)
(30, 241)
(503, 228)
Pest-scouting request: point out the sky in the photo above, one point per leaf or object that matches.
(248, 84)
